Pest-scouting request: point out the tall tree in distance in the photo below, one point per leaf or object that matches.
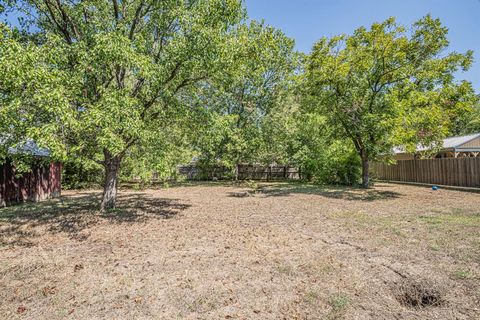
(386, 86)
(129, 65)
(257, 71)
(474, 121)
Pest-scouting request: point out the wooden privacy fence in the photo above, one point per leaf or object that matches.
(242, 172)
(257, 172)
(463, 172)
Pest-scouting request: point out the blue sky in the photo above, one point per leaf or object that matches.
(308, 20)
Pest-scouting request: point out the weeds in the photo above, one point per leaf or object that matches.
(339, 302)
(463, 274)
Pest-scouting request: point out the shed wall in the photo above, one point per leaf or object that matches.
(43, 182)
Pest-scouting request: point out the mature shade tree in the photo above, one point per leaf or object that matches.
(129, 65)
(32, 97)
(387, 86)
(256, 73)
(307, 141)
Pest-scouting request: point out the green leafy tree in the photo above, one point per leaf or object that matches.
(307, 141)
(147, 161)
(129, 67)
(384, 86)
(33, 97)
(320, 156)
(467, 122)
(257, 72)
(474, 120)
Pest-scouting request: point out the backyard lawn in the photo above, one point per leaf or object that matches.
(225, 251)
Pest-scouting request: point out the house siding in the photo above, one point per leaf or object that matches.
(475, 143)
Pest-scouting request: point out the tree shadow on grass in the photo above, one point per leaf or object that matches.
(74, 213)
(183, 184)
(335, 192)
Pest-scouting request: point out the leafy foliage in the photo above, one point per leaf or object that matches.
(306, 140)
(81, 175)
(238, 102)
(128, 67)
(32, 95)
(320, 156)
(129, 88)
(385, 86)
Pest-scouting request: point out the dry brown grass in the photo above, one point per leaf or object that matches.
(218, 251)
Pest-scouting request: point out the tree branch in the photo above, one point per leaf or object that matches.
(67, 20)
(116, 14)
(136, 19)
(53, 18)
(187, 82)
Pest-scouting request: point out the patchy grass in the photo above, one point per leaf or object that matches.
(464, 274)
(244, 251)
(456, 217)
(339, 302)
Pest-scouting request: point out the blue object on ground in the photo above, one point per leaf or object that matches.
(434, 187)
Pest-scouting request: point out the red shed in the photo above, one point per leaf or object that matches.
(43, 182)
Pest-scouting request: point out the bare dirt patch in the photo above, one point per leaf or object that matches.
(420, 293)
(220, 251)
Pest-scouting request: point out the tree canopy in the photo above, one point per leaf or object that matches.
(145, 85)
(125, 68)
(238, 102)
(386, 86)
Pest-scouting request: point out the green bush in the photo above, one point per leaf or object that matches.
(336, 164)
(78, 175)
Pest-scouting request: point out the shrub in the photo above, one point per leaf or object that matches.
(81, 175)
(336, 164)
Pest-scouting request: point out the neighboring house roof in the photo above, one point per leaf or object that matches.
(456, 142)
(448, 143)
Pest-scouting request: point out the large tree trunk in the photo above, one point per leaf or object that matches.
(365, 169)
(112, 169)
